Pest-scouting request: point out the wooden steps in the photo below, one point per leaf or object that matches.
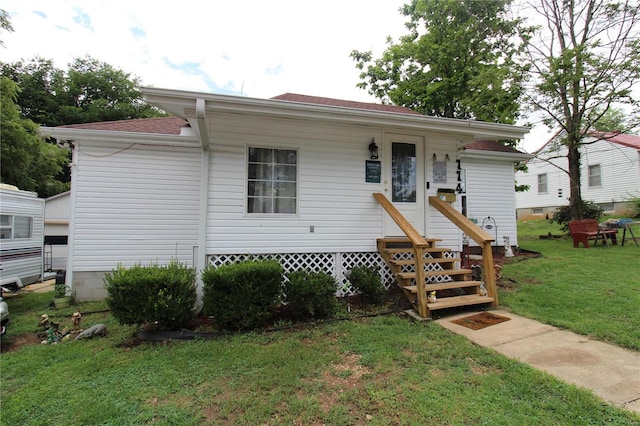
(453, 285)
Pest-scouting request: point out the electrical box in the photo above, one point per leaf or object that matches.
(447, 195)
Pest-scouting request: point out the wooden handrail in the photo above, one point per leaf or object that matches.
(478, 235)
(474, 232)
(416, 239)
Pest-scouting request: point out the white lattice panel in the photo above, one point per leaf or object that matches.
(336, 264)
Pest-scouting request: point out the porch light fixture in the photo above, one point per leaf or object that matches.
(446, 158)
(373, 149)
(435, 157)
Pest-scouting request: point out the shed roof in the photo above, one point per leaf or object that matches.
(161, 125)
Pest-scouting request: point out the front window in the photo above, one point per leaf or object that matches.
(542, 183)
(272, 180)
(15, 227)
(595, 176)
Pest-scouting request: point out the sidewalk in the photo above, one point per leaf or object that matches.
(611, 372)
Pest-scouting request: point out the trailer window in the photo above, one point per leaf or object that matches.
(15, 227)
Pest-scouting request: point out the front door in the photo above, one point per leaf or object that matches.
(404, 181)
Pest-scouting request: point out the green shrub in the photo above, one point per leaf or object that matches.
(311, 294)
(165, 295)
(367, 282)
(590, 210)
(634, 204)
(243, 295)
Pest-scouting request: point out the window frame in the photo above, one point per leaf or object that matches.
(591, 176)
(542, 176)
(248, 180)
(11, 228)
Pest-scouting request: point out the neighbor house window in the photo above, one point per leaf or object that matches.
(15, 227)
(272, 180)
(542, 183)
(595, 177)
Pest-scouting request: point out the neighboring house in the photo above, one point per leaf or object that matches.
(21, 237)
(56, 231)
(292, 176)
(610, 172)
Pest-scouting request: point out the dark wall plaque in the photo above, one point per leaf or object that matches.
(372, 171)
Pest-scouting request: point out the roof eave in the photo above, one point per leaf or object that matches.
(497, 155)
(183, 104)
(77, 134)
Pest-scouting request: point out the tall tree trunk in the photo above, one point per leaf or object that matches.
(575, 199)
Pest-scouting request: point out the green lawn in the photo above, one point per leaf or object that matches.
(593, 291)
(367, 371)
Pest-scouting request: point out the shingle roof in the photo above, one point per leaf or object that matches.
(161, 125)
(632, 141)
(491, 146)
(316, 100)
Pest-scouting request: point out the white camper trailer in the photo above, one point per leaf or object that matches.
(21, 237)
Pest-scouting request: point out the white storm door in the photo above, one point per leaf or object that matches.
(404, 181)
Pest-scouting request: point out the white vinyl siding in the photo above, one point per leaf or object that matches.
(619, 176)
(491, 194)
(336, 211)
(135, 204)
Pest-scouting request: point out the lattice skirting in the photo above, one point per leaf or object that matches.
(336, 264)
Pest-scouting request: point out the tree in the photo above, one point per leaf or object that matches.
(5, 23)
(89, 91)
(26, 159)
(584, 60)
(455, 62)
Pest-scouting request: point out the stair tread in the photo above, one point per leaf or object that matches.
(404, 239)
(410, 250)
(451, 302)
(408, 275)
(430, 260)
(443, 286)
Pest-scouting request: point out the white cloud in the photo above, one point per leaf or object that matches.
(254, 47)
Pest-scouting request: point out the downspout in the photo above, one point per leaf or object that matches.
(201, 260)
(71, 237)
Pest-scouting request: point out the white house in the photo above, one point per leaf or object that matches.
(56, 231)
(610, 175)
(21, 237)
(291, 176)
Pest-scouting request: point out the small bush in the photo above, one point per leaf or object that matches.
(165, 295)
(590, 210)
(367, 282)
(634, 204)
(311, 294)
(244, 295)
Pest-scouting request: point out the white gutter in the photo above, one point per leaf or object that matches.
(180, 103)
(495, 155)
(80, 135)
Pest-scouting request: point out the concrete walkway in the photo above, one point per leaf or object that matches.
(611, 372)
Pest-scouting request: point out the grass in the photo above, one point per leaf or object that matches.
(375, 371)
(594, 292)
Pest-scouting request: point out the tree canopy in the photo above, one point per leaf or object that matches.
(457, 61)
(88, 91)
(26, 160)
(584, 60)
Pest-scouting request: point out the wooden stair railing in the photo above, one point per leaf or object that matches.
(481, 238)
(419, 244)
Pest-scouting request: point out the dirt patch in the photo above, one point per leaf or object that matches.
(16, 342)
(481, 320)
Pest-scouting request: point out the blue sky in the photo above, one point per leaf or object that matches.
(255, 48)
